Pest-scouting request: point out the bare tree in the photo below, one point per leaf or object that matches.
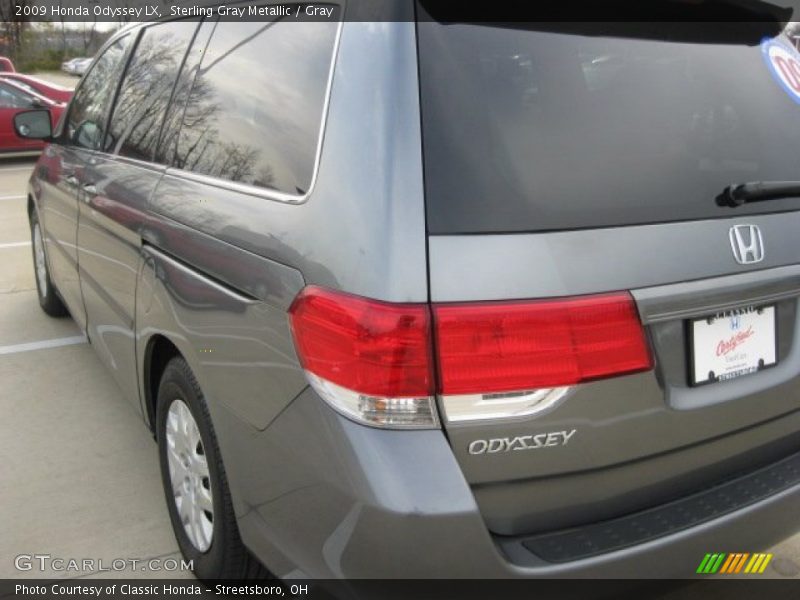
(63, 29)
(13, 21)
(88, 31)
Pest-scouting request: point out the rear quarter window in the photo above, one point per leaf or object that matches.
(255, 109)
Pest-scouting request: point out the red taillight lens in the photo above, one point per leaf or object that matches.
(373, 361)
(371, 347)
(507, 346)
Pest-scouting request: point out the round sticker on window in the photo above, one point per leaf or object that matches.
(784, 63)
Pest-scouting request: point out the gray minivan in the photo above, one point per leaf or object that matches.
(408, 298)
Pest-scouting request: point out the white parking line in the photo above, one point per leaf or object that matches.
(54, 343)
(17, 197)
(10, 169)
(14, 245)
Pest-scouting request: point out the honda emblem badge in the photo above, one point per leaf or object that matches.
(747, 244)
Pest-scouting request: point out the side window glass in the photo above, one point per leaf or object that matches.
(25, 86)
(7, 99)
(255, 109)
(85, 124)
(11, 98)
(146, 88)
(182, 94)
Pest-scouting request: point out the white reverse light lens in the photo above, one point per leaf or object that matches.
(391, 413)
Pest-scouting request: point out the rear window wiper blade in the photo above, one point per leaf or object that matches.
(738, 194)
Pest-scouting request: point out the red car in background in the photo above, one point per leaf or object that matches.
(15, 99)
(39, 86)
(6, 66)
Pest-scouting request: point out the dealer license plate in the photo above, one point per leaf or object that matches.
(732, 343)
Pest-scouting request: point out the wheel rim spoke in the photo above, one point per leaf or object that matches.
(204, 500)
(176, 471)
(183, 507)
(200, 465)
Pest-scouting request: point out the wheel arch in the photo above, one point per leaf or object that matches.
(159, 351)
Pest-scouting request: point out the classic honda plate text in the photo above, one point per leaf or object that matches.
(733, 343)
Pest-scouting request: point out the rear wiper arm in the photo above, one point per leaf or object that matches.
(757, 191)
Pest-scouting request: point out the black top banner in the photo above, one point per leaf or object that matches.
(486, 11)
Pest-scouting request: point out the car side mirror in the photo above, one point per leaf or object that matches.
(34, 125)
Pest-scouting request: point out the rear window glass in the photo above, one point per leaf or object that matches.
(581, 126)
(255, 110)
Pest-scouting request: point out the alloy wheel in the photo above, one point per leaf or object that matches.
(189, 475)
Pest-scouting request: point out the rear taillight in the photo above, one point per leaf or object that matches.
(508, 346)
(369, 359)
(373, 360)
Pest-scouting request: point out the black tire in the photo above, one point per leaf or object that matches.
(49, 299)
(226, 557)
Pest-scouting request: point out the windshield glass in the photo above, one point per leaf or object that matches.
(583, 126)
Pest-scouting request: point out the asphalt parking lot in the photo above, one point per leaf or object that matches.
(79, 476)
(62, 79)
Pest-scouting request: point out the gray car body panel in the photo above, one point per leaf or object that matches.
(112, 214)
(366, 196)
(565, 263)
(365, 503)
(56, 200)
(319, 495)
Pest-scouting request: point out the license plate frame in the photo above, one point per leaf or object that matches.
(760, 321)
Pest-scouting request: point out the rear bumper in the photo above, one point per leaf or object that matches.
(747, 514)
(319, 496)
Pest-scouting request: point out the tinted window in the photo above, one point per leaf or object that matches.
(13, 98)
(255, 109)
(183, 95)
(85, 124)
(146, 88)
(549, 129)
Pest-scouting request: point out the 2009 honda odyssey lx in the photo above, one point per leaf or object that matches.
(412, 298)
